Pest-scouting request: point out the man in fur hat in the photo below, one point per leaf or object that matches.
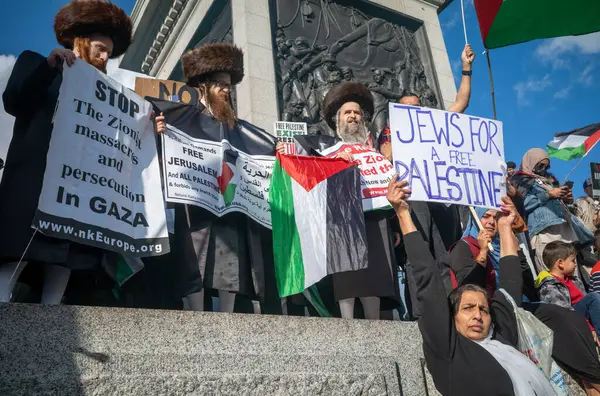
(347, 108)
(231, 254)
(93, 30)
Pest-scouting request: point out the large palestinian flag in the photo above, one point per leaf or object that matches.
(507, 22)
(318, 221)
(574, 144)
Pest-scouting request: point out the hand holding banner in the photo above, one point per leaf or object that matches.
(285, 132)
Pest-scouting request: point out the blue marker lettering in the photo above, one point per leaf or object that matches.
(415, 173)
(439, 178)
(493, 135)
(434, 154)
(453, 184)
(398, 165)
(494, 183)
(412, 126)
(487, 136)
(462, 138)
(441, 134)
(422, 140)
(471, 119)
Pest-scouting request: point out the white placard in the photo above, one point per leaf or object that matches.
(448, 157)
(286, 131)
(375, 173)
(216, 176)
(102, 182)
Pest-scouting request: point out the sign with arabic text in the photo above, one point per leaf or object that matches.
(216, 176)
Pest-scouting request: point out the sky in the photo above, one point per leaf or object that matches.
(27, 26)
(542, 87)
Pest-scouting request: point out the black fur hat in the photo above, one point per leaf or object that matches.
(210, 58)
(82, 18)
(346, 92)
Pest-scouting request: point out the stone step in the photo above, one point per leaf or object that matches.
(70, 350)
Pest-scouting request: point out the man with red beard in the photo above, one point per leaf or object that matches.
(93, 30)
(231, 254)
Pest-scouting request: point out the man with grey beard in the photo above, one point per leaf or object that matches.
(347, 109)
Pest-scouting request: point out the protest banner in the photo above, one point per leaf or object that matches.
(595, 168)
(375, 173)
(216, 176)
(285, 132)
(174, 91)
(448, 157)
(102, 182)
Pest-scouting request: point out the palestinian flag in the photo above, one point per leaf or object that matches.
(574, 144)
(508, 22)
(318, 221)
(227, 180)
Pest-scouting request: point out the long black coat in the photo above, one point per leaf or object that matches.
(31, 94)
(379, 279)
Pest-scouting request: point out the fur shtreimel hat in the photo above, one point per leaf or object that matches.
(211, 58)
(343, 93)
(82, 18)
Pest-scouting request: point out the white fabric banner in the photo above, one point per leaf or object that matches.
(448, 157)
(216, 176)
(102, 182)
(375, 173)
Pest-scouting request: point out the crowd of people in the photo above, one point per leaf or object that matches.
(461, 274)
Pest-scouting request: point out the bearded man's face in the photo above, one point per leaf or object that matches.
(218, 100)
(95, 50)
(350, 125)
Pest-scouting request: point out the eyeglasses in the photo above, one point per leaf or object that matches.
(542, 167)
(221, 84)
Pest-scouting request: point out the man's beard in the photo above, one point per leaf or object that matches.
(220, 107)
(98, 64)
(353, 133)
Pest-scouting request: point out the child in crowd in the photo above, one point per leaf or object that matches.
(595, 274)
(561, 286)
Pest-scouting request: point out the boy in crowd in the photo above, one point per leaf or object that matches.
(561, 286)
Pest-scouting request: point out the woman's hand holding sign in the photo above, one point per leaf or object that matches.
(398, 193)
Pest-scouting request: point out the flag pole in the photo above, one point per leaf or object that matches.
(462, 8)
(478, 222)
(489, 63)
(573, 169)
(577, 164)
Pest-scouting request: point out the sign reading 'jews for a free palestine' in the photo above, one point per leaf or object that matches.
(448, 157)
(216, 176)
(102, 182)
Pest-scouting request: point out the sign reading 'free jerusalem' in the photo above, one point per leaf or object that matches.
(102, 182)
(216, 176)
(448, 157)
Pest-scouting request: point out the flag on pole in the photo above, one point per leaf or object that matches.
(574, 144)
(318, 221)
(508, 22)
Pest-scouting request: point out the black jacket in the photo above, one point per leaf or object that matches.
(467, 270)
(574, 348)
(458, 365)
(30, 96)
